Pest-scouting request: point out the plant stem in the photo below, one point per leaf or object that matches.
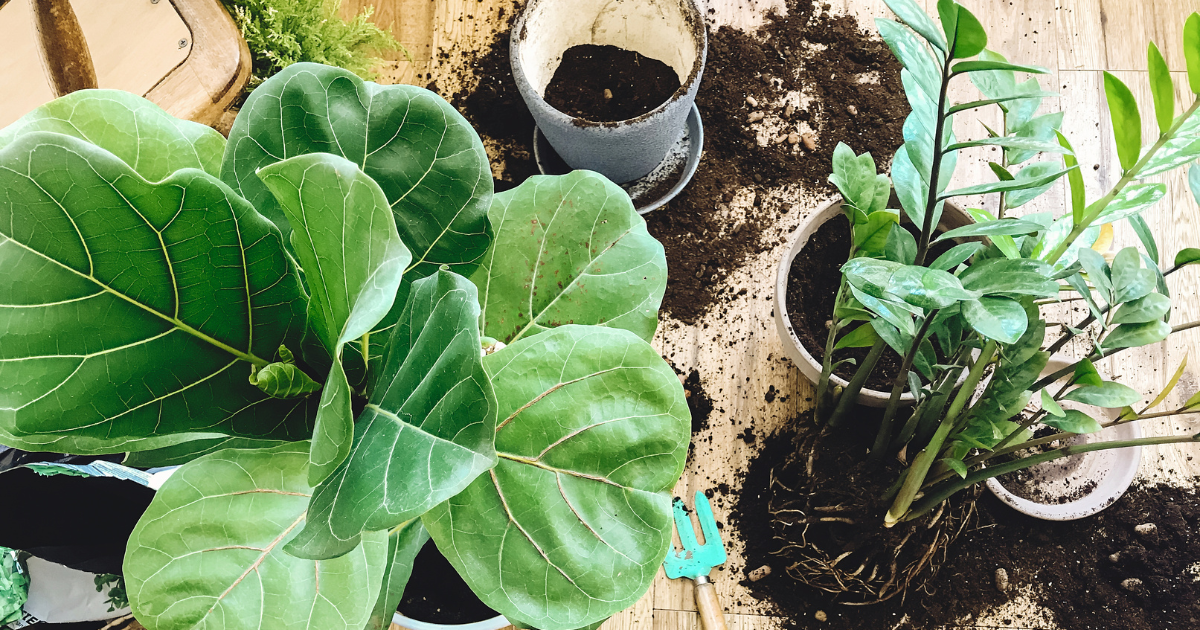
(827, 361)
(936, 167)
(936, 497)
(1098, 207)
(850, 393)
(1096, 356)
(884, 435)
(1150, 416)
(924, 460)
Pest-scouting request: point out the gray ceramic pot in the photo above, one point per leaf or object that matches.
(671, 31)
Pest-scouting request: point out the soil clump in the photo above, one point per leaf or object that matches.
(437, 593)
(609, 84)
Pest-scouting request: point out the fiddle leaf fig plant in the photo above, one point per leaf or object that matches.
(349, 344)
(976, 307)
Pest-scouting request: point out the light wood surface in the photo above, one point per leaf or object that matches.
(737, 351)
(185, 55)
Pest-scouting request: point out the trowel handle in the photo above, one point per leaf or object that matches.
(711, 615)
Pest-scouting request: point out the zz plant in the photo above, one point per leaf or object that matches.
(977, 307)
(350, 344)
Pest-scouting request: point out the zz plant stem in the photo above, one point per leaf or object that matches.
(849, 395)
(884, 435)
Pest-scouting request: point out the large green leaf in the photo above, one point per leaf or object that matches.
(196, 446)
(1107, 394)
(913, 54)
(424, 155)
(854, 176)
(1073, 421)
(1018, 198)
(1131, 200)
(353, 258)
(996, 318)
(919, 286)
(569, 249)
(208, 552)
(1021, 276)
(573, 522)
(1191, 50)
(131, 310)
(916, 19)
(1126, 121)
(404, 543)
(426, 432)
(151, 141)
(1161, 88)
(1137, 335)
(1147, 309)
(969, 39)
(1174, 153)
(993, 227)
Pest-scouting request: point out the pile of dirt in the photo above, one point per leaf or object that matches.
(609, 84)
(1134, 566)
(852, 94)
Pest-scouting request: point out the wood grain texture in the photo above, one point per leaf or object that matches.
(737, 352)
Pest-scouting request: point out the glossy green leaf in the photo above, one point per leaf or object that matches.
(854, 176)
(912, 188)
(1191, 50)
(1074, 178)
(197, 446)
(346, 240)
(1187, 256)
(901, 246)
(1126, 121)
(893, 312)
(208, 552)
(1174, 153)
(1133, 199)
(1086, 374)
(422, 153)
(1042, 128)
(870, 239)
(981, 65)
(1153, 306)
(1130, 280)
(284, 380)
(132, 311)
(913, 55)
(1011, 142)
(1021, 276)
(1018, 198)
(569, 250)
(1097, 271)
(1001, 173)
(1073, 421)
(594, 432)
(956, 465)
(1166, 391)
(404, 543)
(860, 337)
(898, 341)
(997, 318)
(1107, 394)
(1161, 88)
(1000, 100)
(919, 286)
(1145, 235)
(427, 430)
(152, 142)
(1050, 405)
(914, 16)
(992, 228)
(970, 38)
(1137, 335)
(956, 255)
(994, 84)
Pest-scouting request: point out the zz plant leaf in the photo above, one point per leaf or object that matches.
(135, 309)
(593, 431)
(208, 552)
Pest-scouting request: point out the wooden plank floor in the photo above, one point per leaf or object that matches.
(739, 355)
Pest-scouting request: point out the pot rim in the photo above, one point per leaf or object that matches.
(700, 36)
(1114, 485)
(493, 623)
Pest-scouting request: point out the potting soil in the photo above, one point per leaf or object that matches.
(609, 84)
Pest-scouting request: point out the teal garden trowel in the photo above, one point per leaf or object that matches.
(695, 561)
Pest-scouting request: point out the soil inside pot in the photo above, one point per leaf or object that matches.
(436, 593)
(812, 290)
(1133, 566)
(609, 84)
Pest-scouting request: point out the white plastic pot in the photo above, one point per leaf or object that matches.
(495, 623)
(952, 217)
(1111, 471)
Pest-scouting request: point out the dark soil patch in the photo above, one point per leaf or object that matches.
(851, 71)
(1098, 573)
(437, 593)
(609, 84)
(698, 401)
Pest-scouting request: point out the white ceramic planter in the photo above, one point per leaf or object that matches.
(495, 623)
(952, 217)
(1111, 471)
(671, 31)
